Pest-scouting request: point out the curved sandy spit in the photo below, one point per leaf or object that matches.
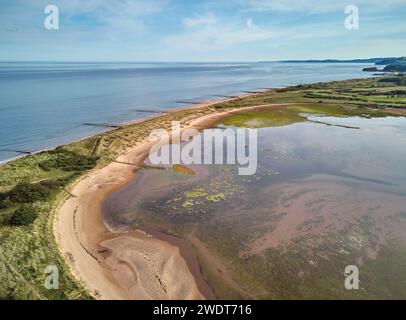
(131, 265)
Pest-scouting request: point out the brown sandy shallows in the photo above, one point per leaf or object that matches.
(127, 265)
(321, 205)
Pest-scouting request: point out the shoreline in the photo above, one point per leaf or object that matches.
(106, 262)
(154, 114)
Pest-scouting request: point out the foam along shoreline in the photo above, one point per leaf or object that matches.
(130, 265)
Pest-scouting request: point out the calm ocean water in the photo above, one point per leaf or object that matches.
(43, 105)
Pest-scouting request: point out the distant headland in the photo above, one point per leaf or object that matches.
(391, 64)
(377, 61)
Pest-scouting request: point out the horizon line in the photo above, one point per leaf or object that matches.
(191, 61)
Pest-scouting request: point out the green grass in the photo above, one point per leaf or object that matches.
(272, 118)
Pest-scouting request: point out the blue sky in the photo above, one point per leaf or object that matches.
(197, 30)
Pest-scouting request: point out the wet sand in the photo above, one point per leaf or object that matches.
(189, 254)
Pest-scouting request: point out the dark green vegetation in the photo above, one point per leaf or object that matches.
(68, 161)
(23, 216)
(32, 187)
(377, 61)
(391, 65)
(393, 61)
(368, 60)
(395, 68)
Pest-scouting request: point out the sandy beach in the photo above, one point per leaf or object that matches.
(127, 265)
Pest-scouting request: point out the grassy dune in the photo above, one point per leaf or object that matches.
(41, 181)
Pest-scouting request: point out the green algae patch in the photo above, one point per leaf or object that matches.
(178, 168)
(197, 193)
(188, 203)
(216, 197)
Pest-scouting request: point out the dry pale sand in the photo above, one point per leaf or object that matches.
(131, 265)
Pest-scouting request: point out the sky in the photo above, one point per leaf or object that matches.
(201, 30)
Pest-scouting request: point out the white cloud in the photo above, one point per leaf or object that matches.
(105, 15)
(115, 16)
(128, 8)
(91, 26)
(210, 32)
(315, 6)
(208, 19)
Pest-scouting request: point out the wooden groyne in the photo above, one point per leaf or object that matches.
(144, 166)
(253, 92)
(334, 125)
(224, 96)
(17, 151)
(189, 102)
(150, 111)
(105, 125)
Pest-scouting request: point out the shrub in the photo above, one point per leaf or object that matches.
(399, 80)
(5, 203)
(5, 218)
(68, 161)
(23, 216)
(26, 192)
(52, 184)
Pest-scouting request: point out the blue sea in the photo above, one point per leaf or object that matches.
(43, 105)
